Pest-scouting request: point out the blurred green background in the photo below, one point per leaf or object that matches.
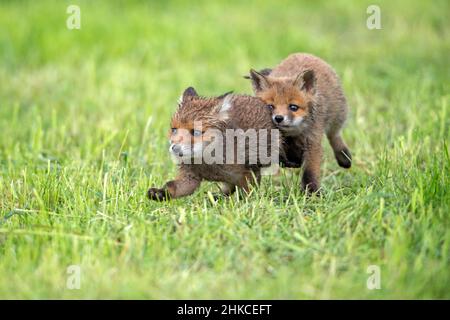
(83, 122)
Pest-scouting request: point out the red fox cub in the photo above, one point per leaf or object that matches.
(207, 132)
(306, 100)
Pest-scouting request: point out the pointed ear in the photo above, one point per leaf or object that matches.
(259, 81)
(221, 111)
(224, 95)
(306, 81)
(264, 72)
(189, 92)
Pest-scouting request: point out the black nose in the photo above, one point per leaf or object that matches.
(176, 148)
(279, 118)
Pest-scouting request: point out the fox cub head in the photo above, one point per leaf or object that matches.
(289, 99)
(196, 122)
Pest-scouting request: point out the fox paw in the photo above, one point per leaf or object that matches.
(310, 184)
(312, 189)
(157, 194)
(344, 158)
(221, 195)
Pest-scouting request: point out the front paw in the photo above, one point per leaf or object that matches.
(310, 183)
(344, 158)
(158, 194)
(311, 188)
(221, 195)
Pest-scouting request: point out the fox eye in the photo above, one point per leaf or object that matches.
(270, 106)
(174, 130)
(293, 107)
(196, 133)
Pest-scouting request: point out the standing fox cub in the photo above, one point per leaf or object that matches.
(207, 132)
(306, 100)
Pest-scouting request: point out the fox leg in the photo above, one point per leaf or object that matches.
(311, 172)
(227, 189)
(251, 177)
(248, 178)
(184, 185)
(292, 157)
(340, 149)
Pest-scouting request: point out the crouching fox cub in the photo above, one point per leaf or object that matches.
(219, 139)
(306, 100)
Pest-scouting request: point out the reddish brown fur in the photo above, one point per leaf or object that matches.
(311, 84)
(281, 97)
(241, 115)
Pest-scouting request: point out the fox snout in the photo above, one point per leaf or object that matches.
(287, 122)
(182, 150)
(189, 150)
(282, 119)
(176, 149)
(278, 118)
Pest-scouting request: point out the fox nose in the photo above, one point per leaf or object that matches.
(278, 118)
(176, 148)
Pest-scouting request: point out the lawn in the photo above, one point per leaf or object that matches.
(84, 116)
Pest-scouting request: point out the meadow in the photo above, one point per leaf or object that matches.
(84, 116)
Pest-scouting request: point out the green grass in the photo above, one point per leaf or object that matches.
(83, 122)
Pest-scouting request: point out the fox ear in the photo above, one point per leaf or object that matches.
(221, 111)
(264, 72)
(306, 81)
(224, 95)
(189, 92)
(259, 81)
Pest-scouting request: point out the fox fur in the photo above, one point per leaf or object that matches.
(228, 111)
(306, 100)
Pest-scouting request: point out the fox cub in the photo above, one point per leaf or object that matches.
(306, 100)
(202, 123)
